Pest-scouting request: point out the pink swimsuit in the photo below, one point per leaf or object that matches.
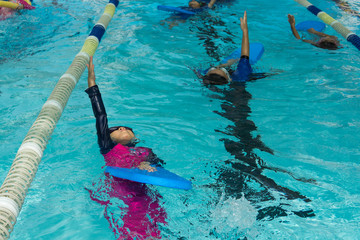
(126, 157)
(5, 13)
(142, 213)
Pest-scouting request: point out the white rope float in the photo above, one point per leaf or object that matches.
(28, 157)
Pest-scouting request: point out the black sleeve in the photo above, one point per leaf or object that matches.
(154, 160)
(102, 129)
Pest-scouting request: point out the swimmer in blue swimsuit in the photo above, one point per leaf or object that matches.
(219, 75)
(325, 41)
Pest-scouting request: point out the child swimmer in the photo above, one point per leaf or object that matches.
(219, 75)
(142, 213)
(326, 41)
(117, 144)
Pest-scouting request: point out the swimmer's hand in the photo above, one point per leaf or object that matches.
(146, 166)
(91, 73)
(245, 45)
(291, 19)
(243, 22)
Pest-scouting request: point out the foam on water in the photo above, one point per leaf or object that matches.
(233, 214)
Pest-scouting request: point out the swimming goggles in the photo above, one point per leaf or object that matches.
(113, 129)
(222, 69)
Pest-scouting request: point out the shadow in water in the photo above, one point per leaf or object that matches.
(244, 174)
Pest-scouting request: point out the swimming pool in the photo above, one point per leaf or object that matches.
(306, 114)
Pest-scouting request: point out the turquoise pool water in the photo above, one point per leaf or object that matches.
(305, 113)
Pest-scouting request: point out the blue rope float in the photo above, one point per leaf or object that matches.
(97, 31)
(115, 2)
(355, 40)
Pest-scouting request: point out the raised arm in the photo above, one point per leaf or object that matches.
(243, 69)
(91, 73)
(102, 129)
(211, 3)
(245, 47)
(291, 20)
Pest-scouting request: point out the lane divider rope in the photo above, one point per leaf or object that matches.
(28, 157)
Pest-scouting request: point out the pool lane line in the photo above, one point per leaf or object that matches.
(345, 6)
(336, 25)
(25, 165)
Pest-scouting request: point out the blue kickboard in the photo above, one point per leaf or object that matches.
(256, 51)
(303, 26)
(175, 10)
(161, 177)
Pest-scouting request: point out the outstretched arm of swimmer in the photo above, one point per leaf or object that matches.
(211, 3)
(91, 73)
(291, 20)
(245, 46)
(243, 69)
(320, 34)
(102, 129)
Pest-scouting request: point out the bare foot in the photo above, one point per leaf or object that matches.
(146, 166)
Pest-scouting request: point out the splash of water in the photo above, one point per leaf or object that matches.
(233, 215)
